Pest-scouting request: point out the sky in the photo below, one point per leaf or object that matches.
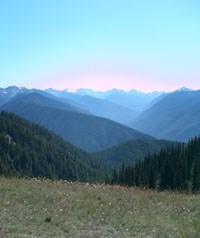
(146, 45)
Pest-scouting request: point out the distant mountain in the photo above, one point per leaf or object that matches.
(89, 92)
(174, 117)
(85, 131)
(7, 94)
(30, 150)
(133, 99)
(131, 151)
(63, 94)
(43, 99)
(117, 105)
(10, 92)
(107, 109)
(97, 106)
(130, 103)
(161, 96)
(156, 100)
(104, 94)
(183, 89)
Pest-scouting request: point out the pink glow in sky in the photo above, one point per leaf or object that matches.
(104, 76)
(97, 79)
(143, 45)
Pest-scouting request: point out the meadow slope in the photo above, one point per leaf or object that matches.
(44, 208)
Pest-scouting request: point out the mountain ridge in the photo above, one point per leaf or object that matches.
(88, 132)
(174, 117)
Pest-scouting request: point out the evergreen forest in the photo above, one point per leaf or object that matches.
(175, 168)
(30, 150)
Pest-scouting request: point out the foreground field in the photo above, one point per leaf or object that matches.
(42, 208)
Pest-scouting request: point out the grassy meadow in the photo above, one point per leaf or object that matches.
(44, 208)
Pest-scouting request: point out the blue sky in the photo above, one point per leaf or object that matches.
(100, 44)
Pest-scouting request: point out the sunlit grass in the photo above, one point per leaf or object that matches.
(42, 208)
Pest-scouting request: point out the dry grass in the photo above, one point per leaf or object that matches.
(42, 208)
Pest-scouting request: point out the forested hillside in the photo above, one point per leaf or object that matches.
(131, 151)
(30, 150)
(176, 168)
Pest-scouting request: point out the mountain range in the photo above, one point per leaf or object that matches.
(95, 121)
(114, 127)
(132, 99)
(98, 106)
(176, 116)
(88, 132)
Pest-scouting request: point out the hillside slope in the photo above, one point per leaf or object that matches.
(30, 150)
(175, 117)
(176, 168)
(131, 151)
(133, 99)
(97, 106)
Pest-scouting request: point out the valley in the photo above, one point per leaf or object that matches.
(90, 120)
(68, 171)
(99, 119)
(73, 123)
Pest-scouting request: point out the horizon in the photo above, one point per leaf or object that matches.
(148, 45)
(101, 91)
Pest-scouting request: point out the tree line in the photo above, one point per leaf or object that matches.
(176, 168)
